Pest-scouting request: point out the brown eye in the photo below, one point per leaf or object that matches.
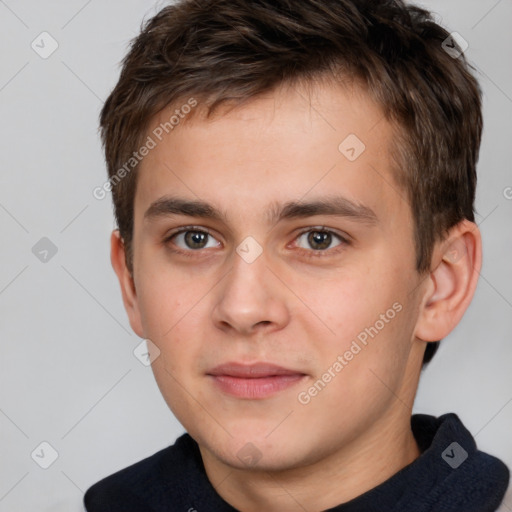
(193, 240)
(318, 240)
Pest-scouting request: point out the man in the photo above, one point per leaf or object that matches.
(293, 184)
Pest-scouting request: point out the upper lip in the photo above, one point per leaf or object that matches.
(255, 370)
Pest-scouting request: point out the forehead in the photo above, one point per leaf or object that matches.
(287, 145)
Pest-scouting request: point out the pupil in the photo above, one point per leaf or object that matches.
(319, 239)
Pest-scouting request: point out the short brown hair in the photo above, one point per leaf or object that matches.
(222, 51)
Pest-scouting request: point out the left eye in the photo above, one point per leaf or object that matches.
(319, 240)
(193, 239)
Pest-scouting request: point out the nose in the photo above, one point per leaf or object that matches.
(250, 299)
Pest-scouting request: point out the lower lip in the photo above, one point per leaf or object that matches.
(256, 387)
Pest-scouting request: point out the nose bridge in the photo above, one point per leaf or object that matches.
(248, 278)
(250, 292)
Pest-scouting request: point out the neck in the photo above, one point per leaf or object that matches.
(384, 449)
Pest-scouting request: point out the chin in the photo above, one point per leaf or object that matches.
(259, 452)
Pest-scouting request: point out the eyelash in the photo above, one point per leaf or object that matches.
(305, 252)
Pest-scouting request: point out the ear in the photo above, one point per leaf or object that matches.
(118, 259)
(451, 284)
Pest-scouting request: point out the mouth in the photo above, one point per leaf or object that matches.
(254, 381)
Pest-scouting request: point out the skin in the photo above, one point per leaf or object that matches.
(287, 308)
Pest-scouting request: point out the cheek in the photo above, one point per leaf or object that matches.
(343, 306)
(363, 320)
(170, 316)
(173, 312)
(360, 379)
(166, 298)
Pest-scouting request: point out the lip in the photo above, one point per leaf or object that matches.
(254, 381)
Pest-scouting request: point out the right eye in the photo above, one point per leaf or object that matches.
(191, 240)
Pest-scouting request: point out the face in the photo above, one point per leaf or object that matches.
(274, 270)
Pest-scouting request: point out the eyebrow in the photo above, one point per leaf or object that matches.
(337, 206)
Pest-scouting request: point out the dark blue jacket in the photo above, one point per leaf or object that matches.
(451, 475)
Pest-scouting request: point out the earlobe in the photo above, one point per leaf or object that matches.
(128, 291)
(456, 264)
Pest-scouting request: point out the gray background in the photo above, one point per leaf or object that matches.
(68, 375)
